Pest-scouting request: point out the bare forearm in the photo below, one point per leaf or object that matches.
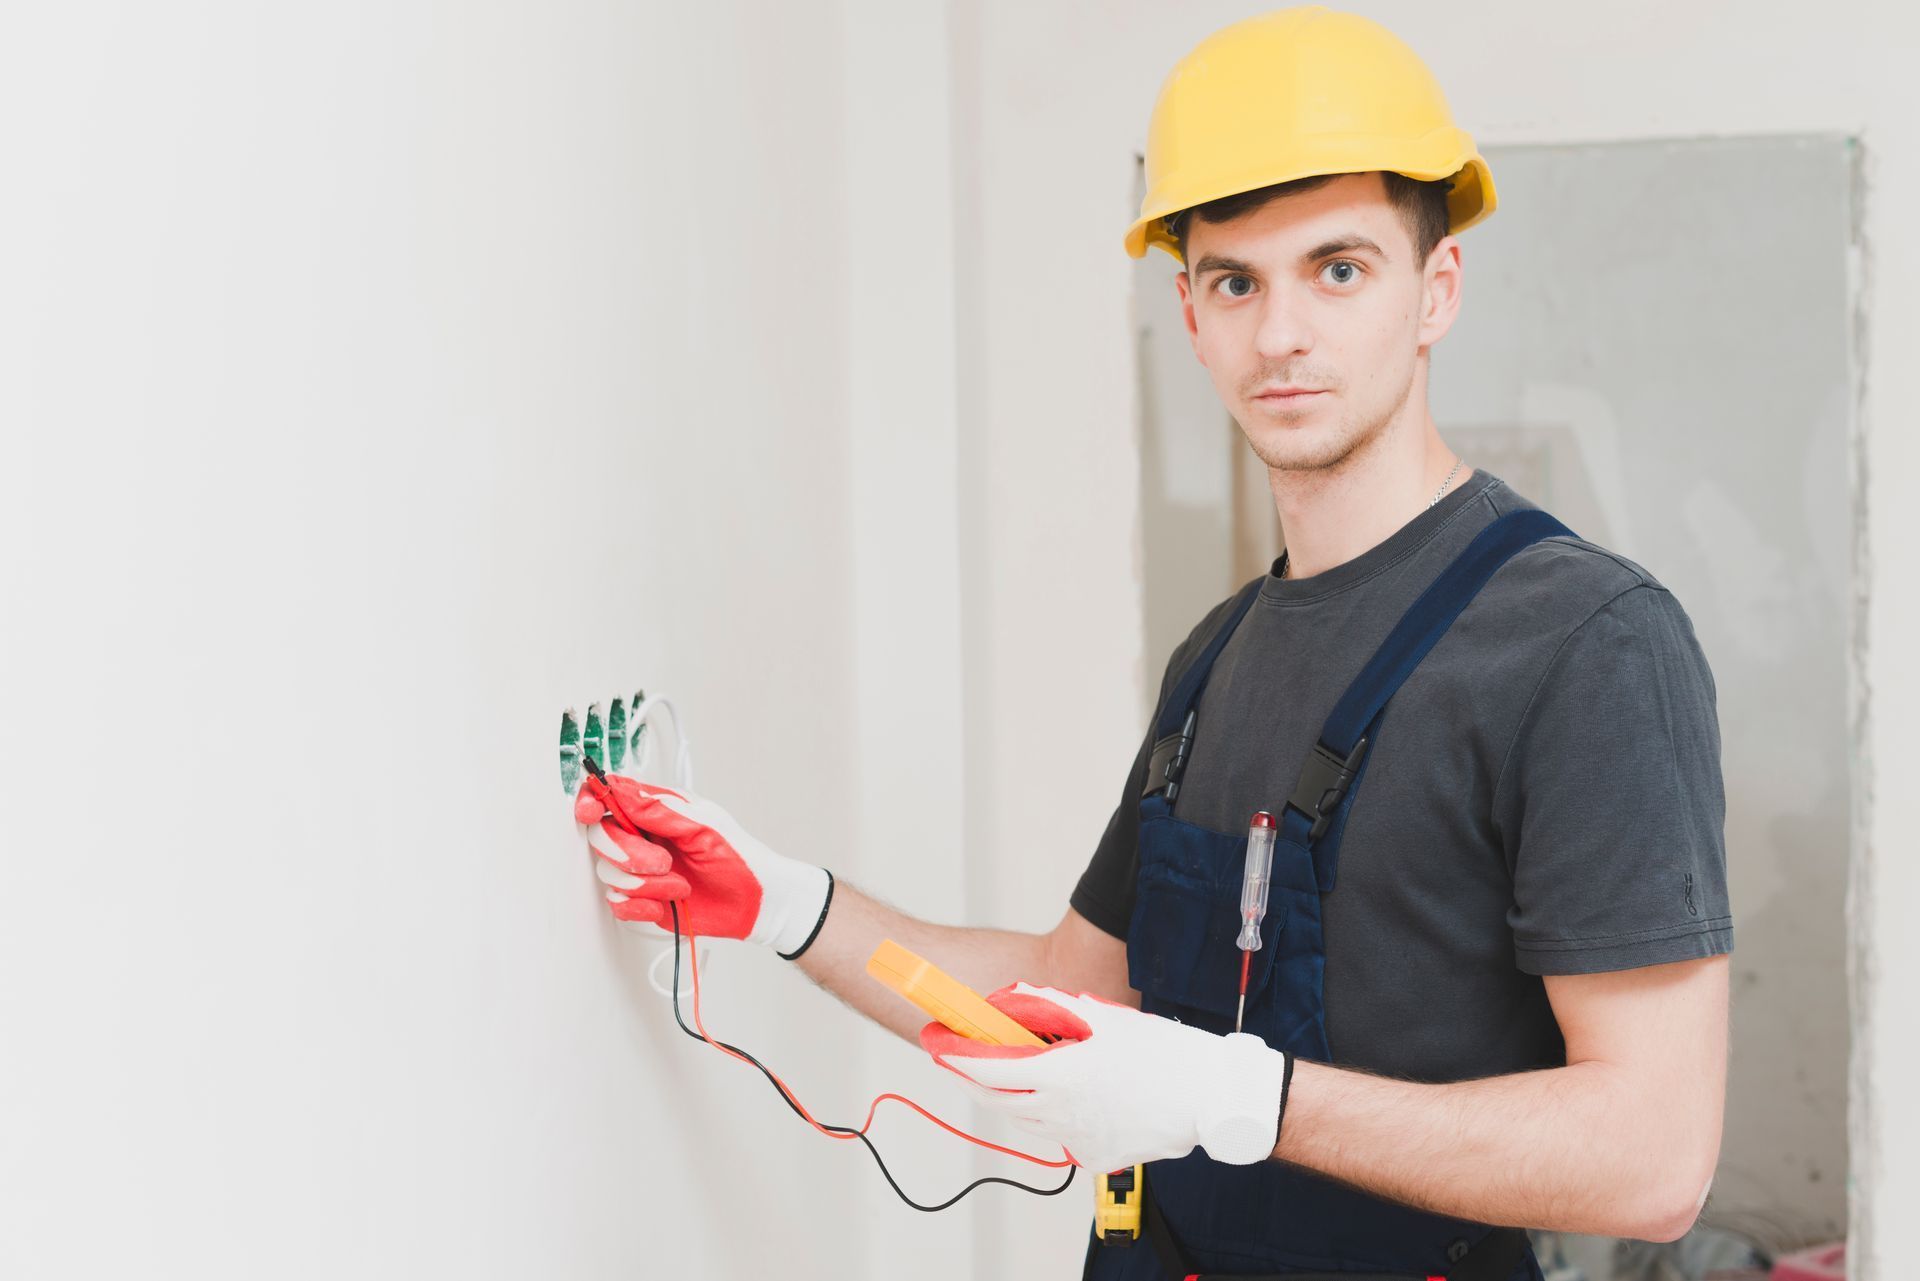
(982, 959)
(1572, 1149)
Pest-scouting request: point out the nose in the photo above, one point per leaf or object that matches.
(1284, 330)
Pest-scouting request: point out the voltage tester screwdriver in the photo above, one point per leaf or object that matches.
(1253, 899)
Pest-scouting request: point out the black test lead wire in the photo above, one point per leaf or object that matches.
(836, 1129)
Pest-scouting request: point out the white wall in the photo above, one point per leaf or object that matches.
(379, 381)
(1063, 92)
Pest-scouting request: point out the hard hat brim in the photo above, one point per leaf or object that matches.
(1470, 201)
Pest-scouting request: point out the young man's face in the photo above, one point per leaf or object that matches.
(1319, 290)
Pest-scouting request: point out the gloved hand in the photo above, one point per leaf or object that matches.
(1122, 1087)
(654, 845)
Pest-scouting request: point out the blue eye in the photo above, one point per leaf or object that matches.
(1353, 269)
(1228, 282)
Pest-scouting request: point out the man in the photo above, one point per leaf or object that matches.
(1492, 987)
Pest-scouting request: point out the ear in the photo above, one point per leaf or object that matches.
(1440, 291)
(1184, 288)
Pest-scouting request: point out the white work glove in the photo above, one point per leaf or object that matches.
(1133, 1087)
(656, 845)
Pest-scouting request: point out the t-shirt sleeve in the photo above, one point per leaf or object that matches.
(1610, 803)
(1105, 892)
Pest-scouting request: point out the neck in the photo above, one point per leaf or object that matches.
(1331, 515)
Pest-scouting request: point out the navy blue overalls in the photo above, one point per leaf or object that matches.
(1206, 1219)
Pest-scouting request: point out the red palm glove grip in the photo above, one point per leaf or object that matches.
(655, 846)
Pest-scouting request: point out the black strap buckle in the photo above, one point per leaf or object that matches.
(1323, 784)
(1169, 760)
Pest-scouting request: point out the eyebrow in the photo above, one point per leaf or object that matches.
(1338, 245)
(1343, 245)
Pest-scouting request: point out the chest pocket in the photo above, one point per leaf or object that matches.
(1181, 949)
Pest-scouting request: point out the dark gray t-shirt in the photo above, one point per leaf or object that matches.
(1543, 797)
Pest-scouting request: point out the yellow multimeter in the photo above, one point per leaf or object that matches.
(945, 999)
(1116, 1207)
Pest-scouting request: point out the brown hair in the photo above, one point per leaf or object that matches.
(1422, 206)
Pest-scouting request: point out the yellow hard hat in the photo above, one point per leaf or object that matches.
(1296, 93)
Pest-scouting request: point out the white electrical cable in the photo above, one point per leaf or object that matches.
(682, 778)
(653, 973)
(683, 753)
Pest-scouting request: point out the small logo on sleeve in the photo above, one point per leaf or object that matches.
(1693, 909)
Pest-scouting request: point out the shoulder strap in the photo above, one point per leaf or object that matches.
(1186, 690)
(1336, 760)
(1173, 725)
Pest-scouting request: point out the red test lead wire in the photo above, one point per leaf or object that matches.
(597, 785)
(838, 1132)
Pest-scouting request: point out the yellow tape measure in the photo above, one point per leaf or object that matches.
(1116, 1205)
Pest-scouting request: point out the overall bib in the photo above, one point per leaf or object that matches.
(1205, 1219)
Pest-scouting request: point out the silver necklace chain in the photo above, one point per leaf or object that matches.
(1285, 563)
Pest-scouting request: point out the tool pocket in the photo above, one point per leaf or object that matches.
(1181, 941)
(1294, 1015)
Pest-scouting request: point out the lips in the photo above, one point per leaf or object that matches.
(1288, 394)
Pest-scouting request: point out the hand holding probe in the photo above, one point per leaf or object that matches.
(596, 787)
(1253, 899)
